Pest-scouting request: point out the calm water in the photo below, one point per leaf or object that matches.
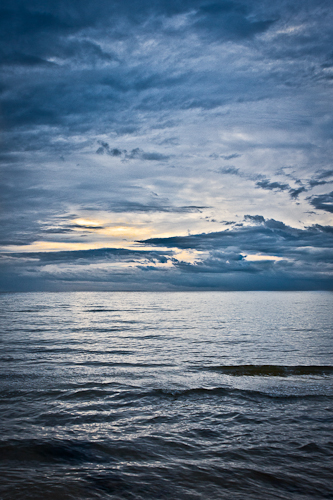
(166, 396)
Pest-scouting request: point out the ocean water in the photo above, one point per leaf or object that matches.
(202, 395)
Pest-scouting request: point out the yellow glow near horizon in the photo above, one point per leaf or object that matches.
(55, 246)
(117, 236)
(88, 222)
(262, 257)
(127, 231)
(190, 256)
(105, 228)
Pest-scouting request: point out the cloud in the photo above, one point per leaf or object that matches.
(230, 157)
(294, 193)
(230, 171)
(320, 179)
(134, 154)
(324, 174)
(256, 219)
(101, 254)
(279, 186)
(105, 148)
(154, 156)
(313, 183)
(269, 255)
(155, 207)
(228, 20)
(323, 202)
(270, 237)
(266, 184)
(154, 88)
(137, 153)
(22, 59)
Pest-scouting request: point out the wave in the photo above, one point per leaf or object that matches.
(225, 392)
(102, 310)
(271, 370)
(50, 451)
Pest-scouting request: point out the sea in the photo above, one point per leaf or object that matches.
(166, 395)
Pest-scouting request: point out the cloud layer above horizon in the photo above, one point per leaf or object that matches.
(166, 145)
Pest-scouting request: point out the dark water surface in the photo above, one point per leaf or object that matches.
(166, 395)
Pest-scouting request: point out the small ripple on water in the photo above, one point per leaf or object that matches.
(126, 396)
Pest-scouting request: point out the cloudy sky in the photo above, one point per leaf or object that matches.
(166, 145)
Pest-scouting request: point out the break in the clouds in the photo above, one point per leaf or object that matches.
(140, 141)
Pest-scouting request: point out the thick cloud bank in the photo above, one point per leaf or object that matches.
(267, 255)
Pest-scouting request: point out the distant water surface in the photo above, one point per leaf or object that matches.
(202, 395)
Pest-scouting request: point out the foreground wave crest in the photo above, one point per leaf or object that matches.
(271, 370)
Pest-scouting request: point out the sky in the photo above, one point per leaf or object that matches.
(166, 145)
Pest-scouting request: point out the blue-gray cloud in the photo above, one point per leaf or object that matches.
(272, 186)
(117, 107)
(65, 39)
(321, 178)
(323, 202)
(269, 237)
(135, 153)
(256, 219)
(290, 258)
(279, 186)
(229, 20)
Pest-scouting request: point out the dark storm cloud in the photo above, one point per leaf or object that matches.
(323, 202)
(227, 20)
(80, 83)
(270, 237)
(21, 59)
(222, 19)
(102, 254)
(306, 254)
(63, 39)
(224, 263)
(327, 229)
